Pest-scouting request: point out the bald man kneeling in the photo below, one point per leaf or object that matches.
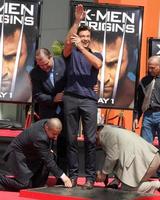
(30, 157)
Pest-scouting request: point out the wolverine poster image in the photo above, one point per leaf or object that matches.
(116, 34)
(18, 36)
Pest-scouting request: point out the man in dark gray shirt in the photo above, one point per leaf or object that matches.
(80, 99)
(148, 101)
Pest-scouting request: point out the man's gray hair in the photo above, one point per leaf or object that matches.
(157, 58)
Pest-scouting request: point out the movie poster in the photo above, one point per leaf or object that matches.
(116, 34)
(18, 37)
(153, 47)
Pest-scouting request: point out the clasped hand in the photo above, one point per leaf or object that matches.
(58, 97)
(75, 39)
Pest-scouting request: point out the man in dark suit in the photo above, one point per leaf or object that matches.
(30, 157)
(48, 81)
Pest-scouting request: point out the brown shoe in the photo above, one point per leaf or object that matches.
(88, 185)
(2, 188)
(74, 182)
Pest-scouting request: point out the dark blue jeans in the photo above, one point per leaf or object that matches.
(151, 126)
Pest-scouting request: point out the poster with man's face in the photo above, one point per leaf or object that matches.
(18, 27)
(153, 47)
(116, 34)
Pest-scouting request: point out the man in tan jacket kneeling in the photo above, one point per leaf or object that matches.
(130, 158)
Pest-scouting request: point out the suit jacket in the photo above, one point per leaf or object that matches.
(29, 150)
(128, 155)
(44, 91)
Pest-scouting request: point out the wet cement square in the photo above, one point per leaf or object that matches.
(96, 193)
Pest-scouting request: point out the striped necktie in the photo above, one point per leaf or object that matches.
(51, 76)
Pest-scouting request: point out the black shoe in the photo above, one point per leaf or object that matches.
(113, 186)
(59, 182)
(74, 182)
(88, 185)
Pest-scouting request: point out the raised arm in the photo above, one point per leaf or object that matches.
(81, 40)
(79, 15)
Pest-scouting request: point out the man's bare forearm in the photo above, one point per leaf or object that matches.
(79, 15)
(68, 44)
